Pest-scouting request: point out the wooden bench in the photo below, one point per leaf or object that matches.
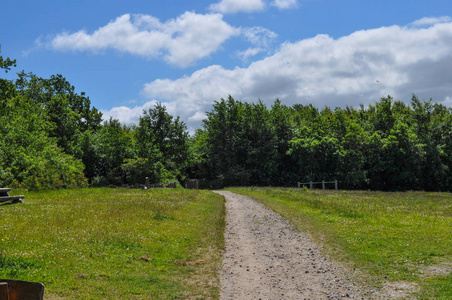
(5, 197)
(20, 290)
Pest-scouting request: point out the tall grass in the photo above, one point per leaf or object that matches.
(115, 243)
(389, 236)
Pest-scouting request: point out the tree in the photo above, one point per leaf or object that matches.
(7, 89)
(226, 144)
(283, 130)
(432, 168)
(261, 142)
(163, 140)
(6, 63)
(104, 151)
(29, 158)
(71, 113)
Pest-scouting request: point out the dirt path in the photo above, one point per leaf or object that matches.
(266, 258)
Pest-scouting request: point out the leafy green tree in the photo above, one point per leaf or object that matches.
(261, 142)
(115, 146)
(198, 159)
(7, 89)
(432, 168)
(316, 157)
(351, 160)
(70, 113)
(282, 125)
(227, 145)
(6, 63)
(383, 115)
(29, 158)
(104, 151)
(163, 140)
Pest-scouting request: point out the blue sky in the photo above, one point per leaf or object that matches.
(126, 55)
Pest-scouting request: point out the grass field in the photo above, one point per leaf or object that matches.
(400, 239)
(115, 243)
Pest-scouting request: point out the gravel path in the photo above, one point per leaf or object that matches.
(266, 258)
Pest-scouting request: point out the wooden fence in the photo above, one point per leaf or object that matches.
(192, 184)
(311, 184)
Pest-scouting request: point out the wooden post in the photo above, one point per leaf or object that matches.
(335, 184)
(323, 184)
(310, 185)
(4, 291)
(298, 184)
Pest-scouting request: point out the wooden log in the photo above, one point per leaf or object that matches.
(24, 290)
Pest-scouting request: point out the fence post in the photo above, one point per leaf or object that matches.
(323, 184)
(298, 184)
(335, 184)
(310, 185)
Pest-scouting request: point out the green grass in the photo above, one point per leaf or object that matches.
(115, 243)
(395, 237)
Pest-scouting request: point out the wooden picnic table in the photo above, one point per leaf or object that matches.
(5, 197)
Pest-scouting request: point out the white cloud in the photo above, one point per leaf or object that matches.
(245, 55)
(447, 101)
(430, 21)
(235, 6)
(127, 115)
(259, 36)
(180, 41)
(285, 4)
(354, 69)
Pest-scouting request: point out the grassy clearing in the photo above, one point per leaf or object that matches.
(115, 243)
(395, 237)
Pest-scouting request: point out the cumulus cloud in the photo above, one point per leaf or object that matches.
(427, 21)
(132, 115)
(354, 69)
(250, 52)
(249, 6)
(126, 114)
(447, 101)
(261, 38)
(235, 6)
(180, 41)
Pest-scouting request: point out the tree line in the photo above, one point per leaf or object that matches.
(52, 137)
(388, 145)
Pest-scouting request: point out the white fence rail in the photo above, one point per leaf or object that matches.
(312, 183)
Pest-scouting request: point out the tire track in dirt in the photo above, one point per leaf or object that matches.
(266, 258)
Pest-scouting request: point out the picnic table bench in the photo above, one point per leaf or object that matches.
(5, 197)
(20, 290)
